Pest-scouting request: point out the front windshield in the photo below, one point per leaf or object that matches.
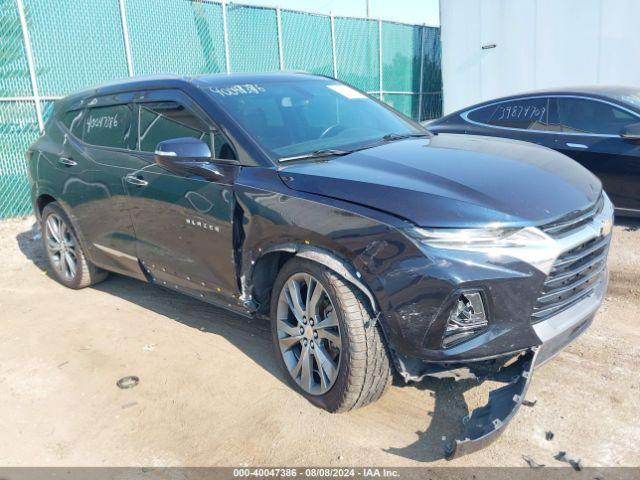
(289, 118)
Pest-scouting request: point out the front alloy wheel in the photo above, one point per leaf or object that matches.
(324, 337)
(308, 334)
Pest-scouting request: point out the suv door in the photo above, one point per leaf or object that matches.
(102, 153)
(589, 132)
(183, 222)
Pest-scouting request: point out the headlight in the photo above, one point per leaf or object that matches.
(528, 244)
(477, 238)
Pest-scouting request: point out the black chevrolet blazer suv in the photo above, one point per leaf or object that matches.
(370, 244)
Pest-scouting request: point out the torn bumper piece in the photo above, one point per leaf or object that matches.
(485, 424)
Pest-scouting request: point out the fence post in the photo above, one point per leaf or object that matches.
(380, 57)
(226, 36)
(30, 64)
(279, 25)
(420, 89)
(125, 36)
(333, 46)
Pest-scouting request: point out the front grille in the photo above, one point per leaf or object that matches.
(574, 221)
(573, 278)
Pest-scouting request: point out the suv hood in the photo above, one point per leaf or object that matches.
(453, 181)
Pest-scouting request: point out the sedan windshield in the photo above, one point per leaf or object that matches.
(294, 119)
(628, 96)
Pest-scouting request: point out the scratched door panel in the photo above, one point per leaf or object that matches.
(183, 227)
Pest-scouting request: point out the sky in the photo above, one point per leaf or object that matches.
(408, 11)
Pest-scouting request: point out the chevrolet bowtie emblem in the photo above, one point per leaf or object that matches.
(606, 225)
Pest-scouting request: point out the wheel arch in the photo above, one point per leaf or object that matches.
(42, 201)
(45, 198)
(257, 282)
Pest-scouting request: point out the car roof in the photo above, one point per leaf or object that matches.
(616, 93)
(604, 90)
(220, 79)
(168, 81)
(145, 82)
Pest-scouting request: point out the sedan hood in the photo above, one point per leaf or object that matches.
(453, 181)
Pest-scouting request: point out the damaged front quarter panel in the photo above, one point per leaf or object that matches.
(277, 225)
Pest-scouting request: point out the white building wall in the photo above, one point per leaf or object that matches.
(539, 44)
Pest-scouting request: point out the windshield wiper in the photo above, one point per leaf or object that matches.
(316, 154)
(329, 152)
(390, 137)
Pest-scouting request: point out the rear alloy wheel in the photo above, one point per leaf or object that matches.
(61, 247)
(67, 261)
(324, 338)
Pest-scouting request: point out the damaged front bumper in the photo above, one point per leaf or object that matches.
(515, 370)
(486, 423)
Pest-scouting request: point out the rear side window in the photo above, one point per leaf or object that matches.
(108, 126)
(525, 114)
(73, 121)
(579, 115)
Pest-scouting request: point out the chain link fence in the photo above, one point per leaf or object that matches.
(50, 48)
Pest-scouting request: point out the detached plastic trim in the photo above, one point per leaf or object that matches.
(485, 424)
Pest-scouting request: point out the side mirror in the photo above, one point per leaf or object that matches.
(631, 132)
(184, 156)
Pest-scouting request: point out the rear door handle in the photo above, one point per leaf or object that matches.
(576, 145)
(67, 162)
(137, 181)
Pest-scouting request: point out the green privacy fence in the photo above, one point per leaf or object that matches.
(49, 48)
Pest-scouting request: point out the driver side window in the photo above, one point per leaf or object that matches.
(160, 121)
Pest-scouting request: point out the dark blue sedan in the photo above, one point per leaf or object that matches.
(598, 127)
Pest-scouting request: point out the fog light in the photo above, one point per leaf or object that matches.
(466, 320)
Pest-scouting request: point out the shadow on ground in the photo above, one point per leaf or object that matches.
(629, 223)
(253, 338)
(444, 422)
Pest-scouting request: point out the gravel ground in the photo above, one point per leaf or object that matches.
(210, 392)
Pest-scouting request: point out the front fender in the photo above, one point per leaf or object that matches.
(365, 246)
(324, 257)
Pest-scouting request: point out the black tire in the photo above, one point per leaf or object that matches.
(364, 371)
(85, 273)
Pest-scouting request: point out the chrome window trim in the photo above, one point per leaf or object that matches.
(465, 115)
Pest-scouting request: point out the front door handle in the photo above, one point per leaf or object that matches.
(67, 162)
(576, 145)
(136, 180)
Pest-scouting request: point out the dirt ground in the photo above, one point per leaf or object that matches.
(210, 391)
